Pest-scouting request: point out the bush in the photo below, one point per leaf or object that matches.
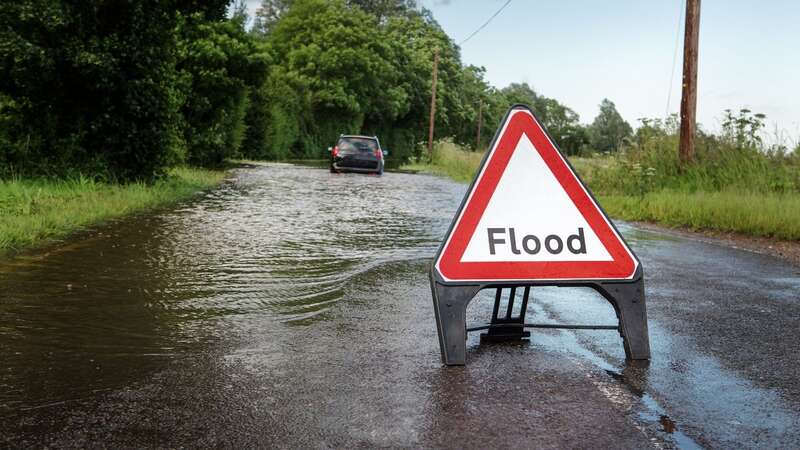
(219, 64)
(91, 87)
(256, 121)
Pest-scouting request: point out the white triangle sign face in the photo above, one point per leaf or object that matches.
(528, 217)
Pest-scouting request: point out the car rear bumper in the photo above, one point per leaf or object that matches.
(356, 164)
(348, 168)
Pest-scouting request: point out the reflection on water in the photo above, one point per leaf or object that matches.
(279, 241)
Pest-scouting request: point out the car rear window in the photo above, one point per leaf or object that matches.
(357, 144)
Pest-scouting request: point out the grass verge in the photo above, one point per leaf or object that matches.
(449, 161)
(767, 214)
(35, 210)
(753, 214)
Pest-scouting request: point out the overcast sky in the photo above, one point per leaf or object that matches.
(580, 51)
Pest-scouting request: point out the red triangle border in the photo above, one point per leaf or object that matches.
(520, 121)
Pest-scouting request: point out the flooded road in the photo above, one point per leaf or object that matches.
(291, 308)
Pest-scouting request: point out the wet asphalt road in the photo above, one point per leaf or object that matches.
(291, 308)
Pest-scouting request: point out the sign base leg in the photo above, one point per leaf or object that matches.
(629, 304)
(506, 328)
(515, 334)
(450, 305)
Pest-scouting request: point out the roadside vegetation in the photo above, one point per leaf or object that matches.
(33, 210)
(119, 95)
(448, 160)
(104, 104)
(123, 93)
(736, 184)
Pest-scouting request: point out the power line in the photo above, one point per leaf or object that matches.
(674, 57)
(485, 23)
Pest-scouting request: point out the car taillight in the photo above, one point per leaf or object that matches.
(335, 151)
(378, 154)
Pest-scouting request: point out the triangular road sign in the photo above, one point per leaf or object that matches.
(528, 217)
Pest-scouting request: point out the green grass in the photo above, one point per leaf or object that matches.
(35, 210)
(751, 203)
(755, 214)
(449, 161)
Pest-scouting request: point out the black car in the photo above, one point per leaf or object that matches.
(357, 154)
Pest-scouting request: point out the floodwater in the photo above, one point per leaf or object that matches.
(291, 308)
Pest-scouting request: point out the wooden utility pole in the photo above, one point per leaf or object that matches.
(689, 92)
(480, 123)
(435, 76)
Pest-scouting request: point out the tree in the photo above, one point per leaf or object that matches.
(474, 97)
(383, 9)
(92, 86)
(561, 122)
(563, 125)
(608, 130)
(520, 93)
(413, 36)
(343, 65)
(363, 66)
(268, 14)
(219, 64)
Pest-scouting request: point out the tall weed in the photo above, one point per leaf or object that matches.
(736, 160)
